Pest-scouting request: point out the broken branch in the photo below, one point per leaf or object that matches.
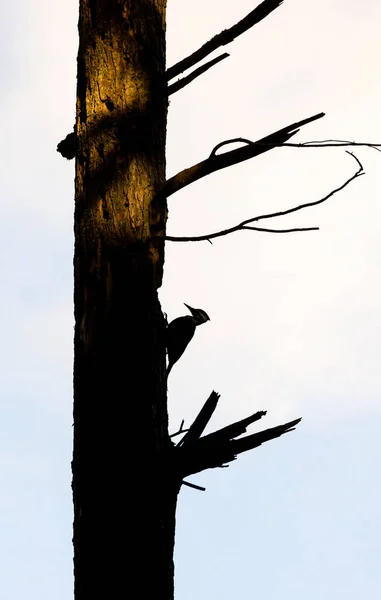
(194, 453)
(196, 73)
(235, 429)
(216, 162)
(224, 37)
(257, 439)
(215, 450)
(201, 421)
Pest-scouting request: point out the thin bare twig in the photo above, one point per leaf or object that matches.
(216, 162)
(233, 141)
(175, 87)
(291, 230)
(194, 486)
(179, 431)
(312, 144)
(239, 227)
(334, 144)
(224, 37)
(245, 224)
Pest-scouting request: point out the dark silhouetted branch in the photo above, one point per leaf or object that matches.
(195, 453)
(312, 144)
(174, 87)
(234, 430)
(180, 431)
(256, 439)
(292, 230)
(224, 37)
(201, 421)
(211, 456)
(194, 486)
(216, 162)
(333, 144)
(245, 224)
(219, 448)
(235, 141)
(239, 227)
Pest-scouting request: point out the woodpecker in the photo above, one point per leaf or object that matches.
(180, 332)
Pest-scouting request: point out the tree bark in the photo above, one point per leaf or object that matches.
(124, 498)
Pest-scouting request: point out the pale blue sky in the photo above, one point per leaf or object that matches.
(295, 320)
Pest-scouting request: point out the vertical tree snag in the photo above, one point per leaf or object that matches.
(127, 472)
(123, 525)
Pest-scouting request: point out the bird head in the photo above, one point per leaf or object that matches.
(198, 315)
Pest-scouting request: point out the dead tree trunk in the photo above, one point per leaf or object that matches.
(124, 511)
(126, 470)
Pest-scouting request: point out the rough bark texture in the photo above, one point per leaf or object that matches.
(124, 500)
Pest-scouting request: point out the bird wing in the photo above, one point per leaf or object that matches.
(179, 334)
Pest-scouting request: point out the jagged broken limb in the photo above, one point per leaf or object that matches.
(196, 453)
(216, 162)
(201, 421)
